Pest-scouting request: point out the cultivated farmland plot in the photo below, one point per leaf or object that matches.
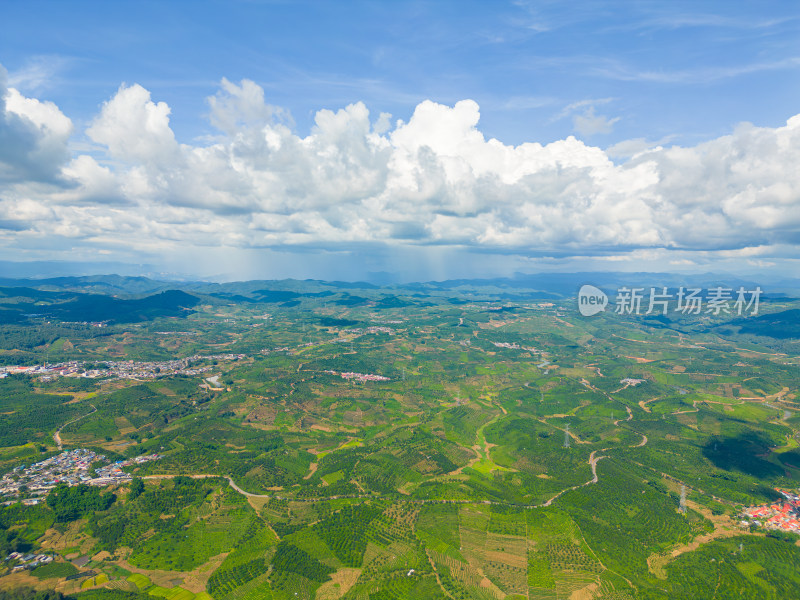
(465, 453)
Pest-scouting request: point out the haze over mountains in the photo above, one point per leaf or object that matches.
(521, 285)
(115, 299)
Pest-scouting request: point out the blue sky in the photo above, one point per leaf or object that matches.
(619, 133)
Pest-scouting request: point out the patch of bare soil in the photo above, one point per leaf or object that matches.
(341, 581)
(639, 359)
(587, 593)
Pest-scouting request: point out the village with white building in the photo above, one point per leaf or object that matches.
(32, 483)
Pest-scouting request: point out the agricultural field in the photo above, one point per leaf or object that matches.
(376, 444)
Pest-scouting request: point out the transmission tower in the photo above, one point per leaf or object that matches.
(566, 436)
(683, 499)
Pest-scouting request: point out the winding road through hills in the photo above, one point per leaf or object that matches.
(57, 434)
(594, 458)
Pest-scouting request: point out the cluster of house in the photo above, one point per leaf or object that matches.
(379, 329)
(357, 376)
(371, 329)
(345, 336)
(125, 369)
(514, 346)
(27, 561)
(783, 515)
(362, 376)
(631, 381)
(71, 467)
(90, 323)
(178, 333)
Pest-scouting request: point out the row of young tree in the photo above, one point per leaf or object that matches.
(224, 582)
(291, 559)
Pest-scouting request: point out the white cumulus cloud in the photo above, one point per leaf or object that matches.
(33, 136)
(431, 180)
(135, 129)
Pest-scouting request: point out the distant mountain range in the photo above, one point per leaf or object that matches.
(538, 285)
(125, 299)
(19, 304)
